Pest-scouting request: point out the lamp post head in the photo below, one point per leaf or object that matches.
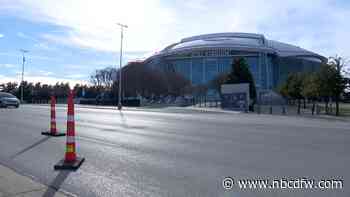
(122, 25)
(24, 51)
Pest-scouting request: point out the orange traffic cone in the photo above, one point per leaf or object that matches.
(71, 161)
(53, 130)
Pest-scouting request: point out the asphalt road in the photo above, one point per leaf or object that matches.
(156, 153)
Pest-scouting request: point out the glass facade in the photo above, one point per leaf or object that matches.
(288, 65)
(202, 58)
(183, 67)
(201, 67)
(197, 71)
(211, 69)
(202, 70)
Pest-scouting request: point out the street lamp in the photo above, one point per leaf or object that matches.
(120, 65)
(23, 61)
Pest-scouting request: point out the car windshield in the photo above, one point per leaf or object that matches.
(6, 95)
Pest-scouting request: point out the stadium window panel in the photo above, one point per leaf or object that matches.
(187, 68)
(210, 69)
(253, 66)
(197, 71)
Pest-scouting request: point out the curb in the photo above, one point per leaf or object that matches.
(14, 183)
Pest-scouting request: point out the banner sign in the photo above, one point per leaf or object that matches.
(235, 96)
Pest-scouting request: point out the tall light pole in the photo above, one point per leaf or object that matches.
(22, 80)
(120, 65)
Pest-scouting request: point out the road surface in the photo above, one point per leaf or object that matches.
(160, 153)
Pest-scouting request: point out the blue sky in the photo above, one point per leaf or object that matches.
(69, 39)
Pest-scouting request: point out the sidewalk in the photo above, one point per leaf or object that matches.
(14, 184)
(213, 109)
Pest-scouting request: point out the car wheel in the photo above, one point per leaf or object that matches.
(17, 106)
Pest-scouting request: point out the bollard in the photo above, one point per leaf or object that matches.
(70, 161)
(270, 109)
(53, 130)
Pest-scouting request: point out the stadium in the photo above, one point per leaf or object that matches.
(201, 58)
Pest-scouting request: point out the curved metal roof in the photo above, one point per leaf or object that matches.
(239, 41)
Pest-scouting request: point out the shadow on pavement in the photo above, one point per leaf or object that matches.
(55, 185)
(30, 147)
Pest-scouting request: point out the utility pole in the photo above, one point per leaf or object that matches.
(120, 65)
(22, 80)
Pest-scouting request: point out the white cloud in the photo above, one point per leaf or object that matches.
(320, 26)
(43, 79)
(93, 23)
(77, 76)
(316, 25)
(44, 46)
(43, 76)
(45, 73)
(24, 36)
(2, 35)
(5, 79)
(7, 65)
(29, 56)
